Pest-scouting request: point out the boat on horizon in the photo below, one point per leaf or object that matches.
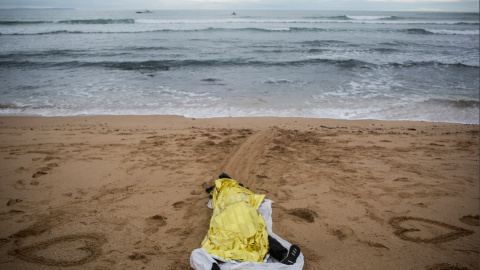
(145, 11)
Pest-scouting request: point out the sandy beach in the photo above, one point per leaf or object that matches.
(128, 192)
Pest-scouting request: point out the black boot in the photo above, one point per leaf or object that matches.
(292, 255)
(224, 175)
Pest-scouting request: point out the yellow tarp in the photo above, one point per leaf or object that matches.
(237, 230)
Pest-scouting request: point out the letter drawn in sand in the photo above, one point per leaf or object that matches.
(427, 231)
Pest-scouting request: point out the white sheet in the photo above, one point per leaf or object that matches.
(201, 260)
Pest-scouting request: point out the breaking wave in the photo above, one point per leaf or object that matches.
(92, 21)
(421, 31)
(415, 31)
(165, 65)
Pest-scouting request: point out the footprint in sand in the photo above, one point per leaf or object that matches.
(69, 250)
(422, 230)
(470, 220)
(139, 257)
(304, 214)
(342, 233)
(154, 223)
(179, 205)
(38, 174)
(44, 170)
(13, 201)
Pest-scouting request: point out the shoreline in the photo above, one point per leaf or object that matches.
(240, 119)
(124, 192)
(228, 117)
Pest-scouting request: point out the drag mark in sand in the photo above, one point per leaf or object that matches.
(243, 162)
(69, 250)
(428, 233)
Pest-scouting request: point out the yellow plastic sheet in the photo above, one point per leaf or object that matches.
(237, 230)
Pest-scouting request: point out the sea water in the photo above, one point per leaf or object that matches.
(321, 64)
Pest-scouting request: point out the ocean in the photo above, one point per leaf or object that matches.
(419, 66)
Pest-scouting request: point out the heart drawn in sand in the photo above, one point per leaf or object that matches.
(69, 250)
(427, 231)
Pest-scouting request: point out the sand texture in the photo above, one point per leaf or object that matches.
(128, 192)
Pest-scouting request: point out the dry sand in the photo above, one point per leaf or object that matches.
(127, 192)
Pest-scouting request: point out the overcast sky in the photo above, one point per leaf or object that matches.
(363, 5)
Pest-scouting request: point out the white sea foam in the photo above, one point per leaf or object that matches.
(454, 32)
(343, 106)
(368, 17)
